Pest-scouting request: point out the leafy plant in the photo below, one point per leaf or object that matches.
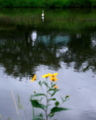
(48, 94)
(48, 4)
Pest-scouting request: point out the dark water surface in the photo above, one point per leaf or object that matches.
(64, 41)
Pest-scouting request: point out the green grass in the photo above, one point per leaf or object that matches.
(70, 20)
(48, 3)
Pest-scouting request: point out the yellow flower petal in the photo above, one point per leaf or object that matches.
(45, 76)
(54, 79)
(55, 74)
(49, 74)
(33, 79)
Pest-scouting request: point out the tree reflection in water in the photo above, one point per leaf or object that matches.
(20, 54)
(81, 51)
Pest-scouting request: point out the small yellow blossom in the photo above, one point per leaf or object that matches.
(54, 79)
(34, 91)
(49, 74)
(34, 78)
(45, 75)
(53, 75)
(55, 87)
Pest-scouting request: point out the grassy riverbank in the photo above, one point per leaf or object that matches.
(71, 20)
(48, 3)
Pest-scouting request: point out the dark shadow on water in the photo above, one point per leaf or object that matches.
(23, 50)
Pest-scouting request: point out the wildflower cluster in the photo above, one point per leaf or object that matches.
(52, 76)
(51, 90)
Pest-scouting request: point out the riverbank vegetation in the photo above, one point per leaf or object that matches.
(48, 3)
(69, 20)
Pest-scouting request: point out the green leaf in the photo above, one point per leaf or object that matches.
(53, 93)
(39, 116)
(40, 83)
(53, 85)
(58, 109)
(37, 119)
(56, 103)
(52, 99)
(67, 96)
(51, 115)
(51, 89)
(36, 104)
(38, 94)
(56, 90)
(46, 84)
(62, 99)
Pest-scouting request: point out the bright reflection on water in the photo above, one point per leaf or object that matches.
(27, 51)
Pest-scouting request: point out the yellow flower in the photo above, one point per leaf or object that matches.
(55, 87)
(34, 91)
(49, 74)
(53, 75)
(45, 75)
(54, 79)
(34, 78)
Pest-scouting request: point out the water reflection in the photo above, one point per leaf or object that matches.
(33, 37)
(20, 53)
(81, 52)
(28, 45)
(20, 57)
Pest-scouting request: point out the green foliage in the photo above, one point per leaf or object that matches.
(54, 92)
(48, 3)
(53, 99)
(37, 94)
(38, 117)
(93, 3)
(58, 109)
(50, 90)
(36, 104)
(7, 3)
(57, 103)
(80, 3)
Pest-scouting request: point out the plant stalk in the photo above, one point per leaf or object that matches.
(46, 101)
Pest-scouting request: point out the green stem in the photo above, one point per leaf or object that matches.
(47, 101)
(33, 111)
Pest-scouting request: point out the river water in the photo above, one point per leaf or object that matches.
(64, 41)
